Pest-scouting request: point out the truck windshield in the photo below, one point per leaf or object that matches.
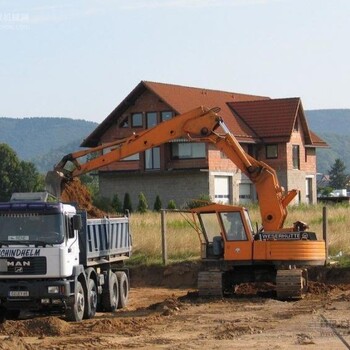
(31, 227)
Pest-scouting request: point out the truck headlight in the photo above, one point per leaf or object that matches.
(53, 289)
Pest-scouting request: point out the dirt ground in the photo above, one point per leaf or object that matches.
(159, 317)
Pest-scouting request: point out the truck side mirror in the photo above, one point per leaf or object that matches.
(77, 222)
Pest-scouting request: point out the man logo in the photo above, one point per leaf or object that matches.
(18, 263)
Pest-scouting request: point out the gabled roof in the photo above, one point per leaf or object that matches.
(317, 141)
(181, 99)
(273, 120)
(250, 118)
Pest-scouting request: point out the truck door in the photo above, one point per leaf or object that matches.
(237, 235)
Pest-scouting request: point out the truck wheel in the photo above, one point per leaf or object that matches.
(76, 311)
(2, 314)
(123, 288)
(110, 294)
(91, 302)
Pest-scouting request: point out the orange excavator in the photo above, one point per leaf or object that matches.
(231, 251)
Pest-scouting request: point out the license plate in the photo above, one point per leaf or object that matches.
(19, 293)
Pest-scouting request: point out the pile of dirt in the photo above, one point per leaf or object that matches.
(319, 288)
(12, 343)
(75, 192)
(43, 326)
(168, 307)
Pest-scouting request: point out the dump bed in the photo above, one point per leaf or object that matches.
(104, 240)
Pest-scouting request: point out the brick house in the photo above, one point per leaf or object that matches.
(272, 130)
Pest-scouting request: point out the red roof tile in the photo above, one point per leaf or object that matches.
(268, 118)
(248, 117)
(317, 141)
(183, 99)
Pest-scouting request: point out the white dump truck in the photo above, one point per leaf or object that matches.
(54, 259)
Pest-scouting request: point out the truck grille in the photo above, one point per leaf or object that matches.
(24, 266)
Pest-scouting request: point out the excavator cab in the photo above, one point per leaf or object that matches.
(225, 231)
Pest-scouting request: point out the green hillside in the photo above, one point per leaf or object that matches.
(44, 140)
(333, 126)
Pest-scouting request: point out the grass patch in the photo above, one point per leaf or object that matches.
(183, 242)
(343, 261)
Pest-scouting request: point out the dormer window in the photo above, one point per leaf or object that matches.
(136, 120)
(271, 151)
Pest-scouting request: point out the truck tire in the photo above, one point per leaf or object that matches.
(12, 314)
(76, 311)
(123, 288)
(110, 294)
(91, 302)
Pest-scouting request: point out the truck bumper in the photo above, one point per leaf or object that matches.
(36, 294)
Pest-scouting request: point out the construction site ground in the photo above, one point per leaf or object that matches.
(165, 312)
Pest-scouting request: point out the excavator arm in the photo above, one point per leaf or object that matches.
(199, 125)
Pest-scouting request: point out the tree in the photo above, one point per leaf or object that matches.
(16, 175)
(157, 204)
(171, 204)
(338, 178)
(127, 205)
(143, 205)
(28, 179)
(117, 204)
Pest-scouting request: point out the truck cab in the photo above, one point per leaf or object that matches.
(55, 259)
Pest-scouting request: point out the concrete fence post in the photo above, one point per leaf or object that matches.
(325, 229)
(164, 237)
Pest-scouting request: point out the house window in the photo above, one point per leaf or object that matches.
(187, 150)
(152, 159)
(296, 159)
(271, 151)
(135, 156)
(253, 151)
(124, 123)
(166, 116)
(151, 119)
(136, 120)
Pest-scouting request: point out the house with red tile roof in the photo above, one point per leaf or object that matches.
(271, 130)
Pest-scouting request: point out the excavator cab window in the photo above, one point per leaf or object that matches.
(210, 226)
(234, 228)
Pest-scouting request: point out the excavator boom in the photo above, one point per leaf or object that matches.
(199, 125)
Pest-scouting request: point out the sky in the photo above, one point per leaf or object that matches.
(80, 58)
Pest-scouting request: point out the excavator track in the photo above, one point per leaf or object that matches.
(210, 283)
(291, 284)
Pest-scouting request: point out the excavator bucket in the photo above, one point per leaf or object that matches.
(55, 182)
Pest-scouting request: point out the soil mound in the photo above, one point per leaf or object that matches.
(12, 343)
(75, 192)
(43, 326)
